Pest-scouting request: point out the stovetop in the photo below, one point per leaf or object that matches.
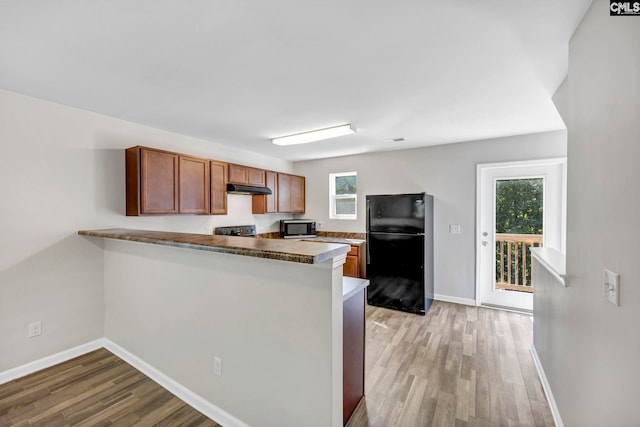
(238, 230)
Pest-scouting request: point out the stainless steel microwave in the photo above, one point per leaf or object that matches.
(297, 228)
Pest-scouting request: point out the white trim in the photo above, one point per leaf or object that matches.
(537, 162)
(49, 361)
(547, 388)
(455, 300)
(189, 397)
(333, 196)
(553, 261)
(192, 399)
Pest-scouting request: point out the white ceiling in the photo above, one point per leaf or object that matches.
(239, 72)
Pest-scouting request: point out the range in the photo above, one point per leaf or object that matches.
(238, 230)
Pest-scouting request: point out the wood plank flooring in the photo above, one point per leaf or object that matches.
(96, 389)
(458, 366)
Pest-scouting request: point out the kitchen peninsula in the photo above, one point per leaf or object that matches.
(271, 310)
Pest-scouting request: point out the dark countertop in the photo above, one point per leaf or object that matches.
(276, 249)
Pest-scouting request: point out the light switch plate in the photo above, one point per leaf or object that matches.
(611, 287)
(454, 228)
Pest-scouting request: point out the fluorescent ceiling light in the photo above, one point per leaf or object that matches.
(315, 135)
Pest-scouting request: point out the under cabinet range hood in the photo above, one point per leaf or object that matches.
(247, 189)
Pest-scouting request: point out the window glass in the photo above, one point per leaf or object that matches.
(343, 197)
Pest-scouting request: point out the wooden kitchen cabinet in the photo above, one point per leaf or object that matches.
(284, 192)
(267, 203)
(246, 175)
(297, 194)
(350, 267)
(354, 263)
(219, 173)
(194, 183)
(291, 197)
(151, 181)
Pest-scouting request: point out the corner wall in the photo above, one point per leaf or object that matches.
(61, 170)
(589, 348)
(446, 171)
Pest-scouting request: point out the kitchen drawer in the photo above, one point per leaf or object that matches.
(353, 250)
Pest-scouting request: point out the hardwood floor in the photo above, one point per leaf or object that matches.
(96, 389)
(458, 366)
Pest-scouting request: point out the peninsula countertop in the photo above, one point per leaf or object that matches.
(276, 249)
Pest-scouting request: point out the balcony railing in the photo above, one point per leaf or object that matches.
(513, 261)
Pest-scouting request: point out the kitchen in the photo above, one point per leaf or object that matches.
(63, 170)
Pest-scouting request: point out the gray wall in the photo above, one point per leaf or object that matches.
(61, 170)
(589, 348)
(271, 323)
(446, 171)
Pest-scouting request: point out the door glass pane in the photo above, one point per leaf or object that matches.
(519, 208)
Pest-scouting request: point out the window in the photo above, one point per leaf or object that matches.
(343, 198)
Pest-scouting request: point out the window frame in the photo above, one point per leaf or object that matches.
(333, 196)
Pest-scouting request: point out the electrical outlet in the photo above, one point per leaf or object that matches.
(217, 366)
(35, 329)
(454, 228)
(611, 287)
(320, 224)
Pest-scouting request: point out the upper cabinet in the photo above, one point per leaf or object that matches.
(195, 185)
(267, 203)
(151, 181)
(291, 198)
(246, 175)
(297, 194)
(219, 171)
(160, 182)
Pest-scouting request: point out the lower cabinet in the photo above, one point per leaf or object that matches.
(353, 328)
(354, 265)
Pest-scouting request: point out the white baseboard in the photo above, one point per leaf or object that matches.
(47, 362)
(199, 403)
(547, 388)
(455, 300)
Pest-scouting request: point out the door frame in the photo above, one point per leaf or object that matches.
(562, 161)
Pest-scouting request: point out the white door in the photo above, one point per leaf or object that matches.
(519, 206)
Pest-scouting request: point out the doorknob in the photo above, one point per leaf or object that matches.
(485, 243)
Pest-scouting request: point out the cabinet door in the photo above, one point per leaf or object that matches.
(218, 188)
(238, 174)
(158, 182)
(350, 266)
(262, 204)
(284, 192)
(257, 177)
(271, 179)
(297, 194)
(194, 185)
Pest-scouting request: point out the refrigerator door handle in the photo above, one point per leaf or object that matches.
(368, 214)
(368, 256)
(367, 225)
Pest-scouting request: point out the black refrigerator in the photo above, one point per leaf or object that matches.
(400, 251)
